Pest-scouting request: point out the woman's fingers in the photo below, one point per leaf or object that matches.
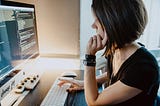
(90, 42)
(96, 43)
(67, 80)
(99, 42)
(75, 84)
(64, 80)
(93, 42)
(61, 83)
(74, 88)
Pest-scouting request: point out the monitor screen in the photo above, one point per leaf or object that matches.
(18, 36)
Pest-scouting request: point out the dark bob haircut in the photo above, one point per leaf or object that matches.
(123, 20)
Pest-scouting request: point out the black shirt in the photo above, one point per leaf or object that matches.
(140, 70)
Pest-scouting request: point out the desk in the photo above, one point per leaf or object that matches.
(36, 96)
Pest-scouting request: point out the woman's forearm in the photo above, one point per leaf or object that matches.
(90, 84)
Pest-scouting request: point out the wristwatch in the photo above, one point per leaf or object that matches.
(89, 63)
(90, 57)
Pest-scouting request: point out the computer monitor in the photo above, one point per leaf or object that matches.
(18, 36)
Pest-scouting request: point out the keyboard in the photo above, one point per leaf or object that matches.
(57, 95)
(10, 99)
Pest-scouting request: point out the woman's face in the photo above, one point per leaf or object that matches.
(98, 27)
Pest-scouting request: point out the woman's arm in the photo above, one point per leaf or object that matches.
(113, 94)
(90, 85)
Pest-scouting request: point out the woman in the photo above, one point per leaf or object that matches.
(132, 72)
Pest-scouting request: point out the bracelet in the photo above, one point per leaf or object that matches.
(90, 57)
(89, 63)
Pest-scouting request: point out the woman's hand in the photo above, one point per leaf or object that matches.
(75, 84)
(96, 43)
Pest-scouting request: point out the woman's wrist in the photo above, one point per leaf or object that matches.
(90, 60)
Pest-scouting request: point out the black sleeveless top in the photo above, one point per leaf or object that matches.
(140, 70)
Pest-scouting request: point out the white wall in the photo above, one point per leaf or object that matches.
(58, 26)
(151, 36)
(86, 20)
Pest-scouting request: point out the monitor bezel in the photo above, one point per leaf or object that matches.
(17, 4)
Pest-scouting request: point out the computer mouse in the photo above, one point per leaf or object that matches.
(69, 74)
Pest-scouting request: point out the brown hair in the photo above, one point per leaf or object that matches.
(123, 20)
